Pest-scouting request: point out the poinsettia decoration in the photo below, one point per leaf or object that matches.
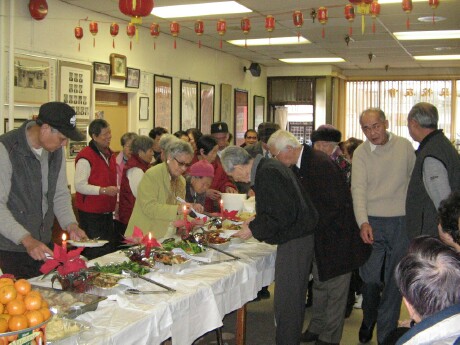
(185, 227)
(138, 237)
(226, 214)
(64, 262)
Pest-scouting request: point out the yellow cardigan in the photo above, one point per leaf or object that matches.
(156, 206)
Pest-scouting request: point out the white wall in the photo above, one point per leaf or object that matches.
(54, 37)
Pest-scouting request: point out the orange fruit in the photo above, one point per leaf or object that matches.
(33, 301)
(7, 293)
(46, 313)
(6, 281)
(45, 304)
(3, 325)
(16, 307)
(34, 317)
(17, 322)
(5, 316)
(2, 308)
(34, 293)
(22, 286)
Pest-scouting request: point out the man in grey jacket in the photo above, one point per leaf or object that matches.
(33, 188)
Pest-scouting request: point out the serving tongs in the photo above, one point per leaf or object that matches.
(136, 275)
(200, 239)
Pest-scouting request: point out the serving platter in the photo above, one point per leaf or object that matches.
(88, 244)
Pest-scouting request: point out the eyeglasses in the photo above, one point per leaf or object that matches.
(375, 127)
(182, 164)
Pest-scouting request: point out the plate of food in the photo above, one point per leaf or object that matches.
(228, 234)
(88, 243)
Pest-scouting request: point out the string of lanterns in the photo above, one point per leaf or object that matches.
(137, 9)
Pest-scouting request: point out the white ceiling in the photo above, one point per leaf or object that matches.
(386, 50)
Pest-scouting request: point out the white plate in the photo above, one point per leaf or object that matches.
(91, 244)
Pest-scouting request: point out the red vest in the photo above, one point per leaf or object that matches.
(102, 175)
(127, 198)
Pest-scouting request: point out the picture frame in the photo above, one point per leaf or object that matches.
(118, 66)
(259, 110)
(143, 108)
(241, 115)
(101, 73)
(74, 147)
(133, 78)
(226, 104)
(189, 104)
(206, 107)
(162, 92)
(16, 124)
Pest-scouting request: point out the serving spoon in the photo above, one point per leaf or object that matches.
(139, 292)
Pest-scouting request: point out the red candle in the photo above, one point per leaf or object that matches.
(148, 246)
(64, 242)
(222, 209)
(185, 212)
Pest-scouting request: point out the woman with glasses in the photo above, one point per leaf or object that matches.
(207, 150)
(156, 205)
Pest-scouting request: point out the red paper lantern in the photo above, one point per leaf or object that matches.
(93, 28)
(199, 29)
(407, 7)
(78, 31)
(270, 23)
(38, 9)
(155, 32)
(374, 10)
(114, 28)
(221, 29)
(297, 18)
(349, 12)
(322, 18)
(131, 31)
(434, 5)
(174, 27)
(245, 25)
(136, 9)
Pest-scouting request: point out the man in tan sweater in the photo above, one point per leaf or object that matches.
(380, 175)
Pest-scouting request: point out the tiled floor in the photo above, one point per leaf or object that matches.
(260, 329)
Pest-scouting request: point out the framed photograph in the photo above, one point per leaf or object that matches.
(188, 104)
(241, 115)
(143, 108)
(16, 124)
(207, 107)
(134, 76)
(118, 66)
(226, 103)
(34, 80)
(101, 73)
(74, 147)
(259, 110)
(162, 101)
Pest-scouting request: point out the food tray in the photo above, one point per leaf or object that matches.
(69, 304)
(174, 268)
(63, 330)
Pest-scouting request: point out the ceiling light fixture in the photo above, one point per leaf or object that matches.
(427, 35)
(312, 60)
(199, 10)
(431, 19)
(437, 57)
(270, 41)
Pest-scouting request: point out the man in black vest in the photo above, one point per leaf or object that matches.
(436, 172)
(33, 188)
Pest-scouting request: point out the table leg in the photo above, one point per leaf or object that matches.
(241, 326)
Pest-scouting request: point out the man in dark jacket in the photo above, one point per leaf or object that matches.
(338, 247)
(436, 172)
(286, 217)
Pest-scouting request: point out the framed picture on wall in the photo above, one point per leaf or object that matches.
(259, 110)
(226, 104)
(188, 104)
(133, 78)
(101, 73)
(206, 107)
(143, 108)
(16, 124)
(118, 66)
(162, 101)
(241, 115)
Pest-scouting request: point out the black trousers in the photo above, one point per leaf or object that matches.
(20, 264)
(98, 225)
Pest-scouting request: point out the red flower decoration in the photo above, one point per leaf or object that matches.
(187, 226)
(138, 237)
(65, 262)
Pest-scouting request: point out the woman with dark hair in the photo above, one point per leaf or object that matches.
(194, 134)
(182, 135)
(449, 221)
(207, 150)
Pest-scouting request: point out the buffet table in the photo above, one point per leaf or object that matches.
(205, 293)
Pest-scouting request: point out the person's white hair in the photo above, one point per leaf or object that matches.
(281, 139)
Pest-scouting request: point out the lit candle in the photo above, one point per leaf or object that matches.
(222, 209)
(64, 242)
(185, 212)
(148, 246)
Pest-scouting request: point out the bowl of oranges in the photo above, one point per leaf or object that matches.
(23, 312)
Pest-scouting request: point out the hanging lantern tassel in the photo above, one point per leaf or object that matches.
(174, 28)
(407, 7)
(246, 27)
(297, 18)
(93, 28)
(269, 26)
(350, 16)
(221, 29)
(374, 11)
(433, 4)
(131, 32)
(155, 32)
(322, 18)
(114, 32)
(78, 31)
(199, 29)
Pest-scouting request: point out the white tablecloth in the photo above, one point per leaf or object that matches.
(205, 294)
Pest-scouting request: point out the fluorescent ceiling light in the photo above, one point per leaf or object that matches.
(437, 57)
(270, 41)
(312, 60)
(384, 2)
(198, 10)
(427, 35)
